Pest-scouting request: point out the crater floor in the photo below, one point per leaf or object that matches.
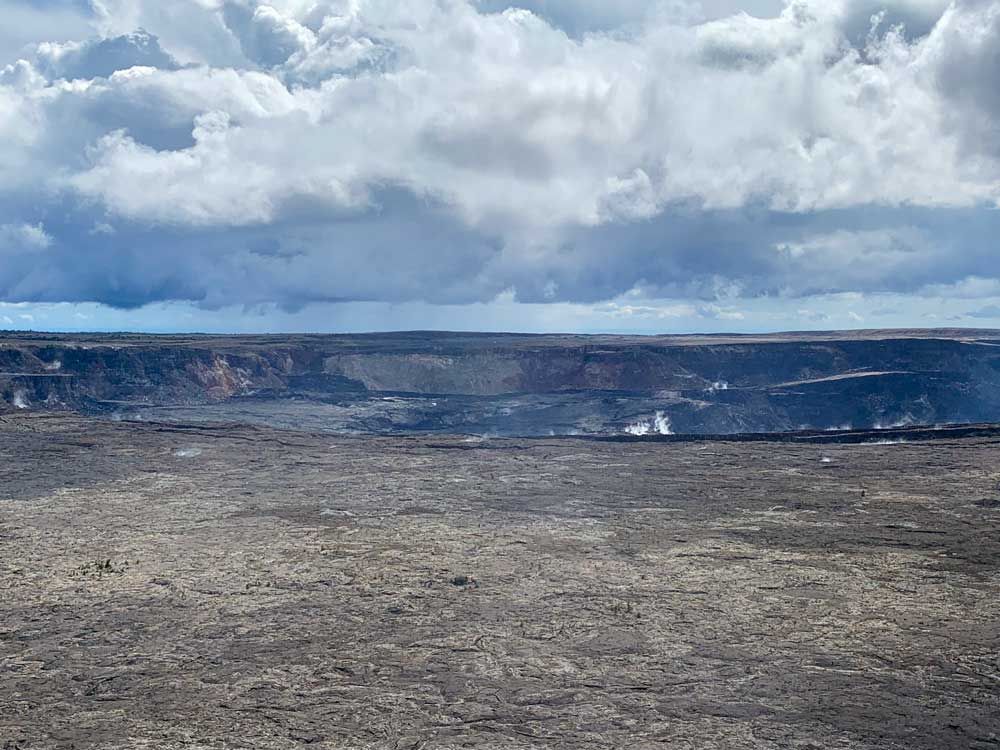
(170, 586)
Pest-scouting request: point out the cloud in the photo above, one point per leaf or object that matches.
(27, 23)
(989, 312)
(100, 58)
(267, 36)
(578, 17)
(291, 152)
(23, 238)
(965, 49)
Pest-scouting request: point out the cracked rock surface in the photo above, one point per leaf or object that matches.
(164, 586)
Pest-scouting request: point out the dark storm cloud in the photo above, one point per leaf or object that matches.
(408, 250)
(403, 250)
(708, 254)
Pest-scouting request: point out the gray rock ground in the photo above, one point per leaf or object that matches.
(207, 587)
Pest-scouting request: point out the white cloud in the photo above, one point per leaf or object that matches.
(266, 35)
(263, 149)
(971, 287)
(507, 119)
(721, 313)
(101, 58)
(648, 311)
(23, 238)
(26, 23)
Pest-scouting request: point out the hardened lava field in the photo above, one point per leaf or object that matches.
(171, 586)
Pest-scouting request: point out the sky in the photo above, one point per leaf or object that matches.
(643, 166)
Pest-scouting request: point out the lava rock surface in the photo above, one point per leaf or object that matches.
(170, 586)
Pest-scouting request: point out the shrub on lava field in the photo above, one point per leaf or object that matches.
(100, 568)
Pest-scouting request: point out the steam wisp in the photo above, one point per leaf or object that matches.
(658, 425)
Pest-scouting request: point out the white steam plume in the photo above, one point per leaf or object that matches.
(659, 425)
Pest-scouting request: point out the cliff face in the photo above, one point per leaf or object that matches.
(528, 384)
(73, 376)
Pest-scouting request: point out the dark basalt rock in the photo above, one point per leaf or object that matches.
(503, 384)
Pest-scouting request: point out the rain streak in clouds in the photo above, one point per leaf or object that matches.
(632, 165)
